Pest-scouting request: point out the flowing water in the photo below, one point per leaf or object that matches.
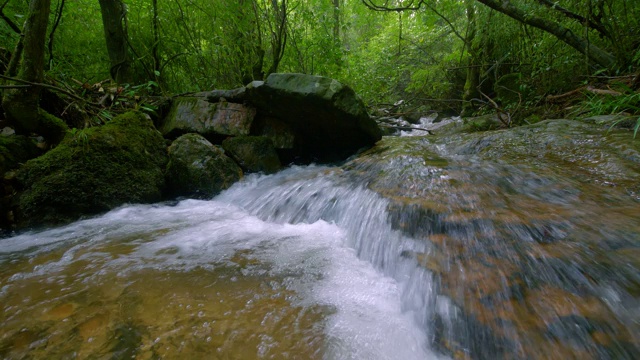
(461, 258)
(282, 266)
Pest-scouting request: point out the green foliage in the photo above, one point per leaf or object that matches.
(196, 45)
(626, 103)
(79, 136)
(52, 128)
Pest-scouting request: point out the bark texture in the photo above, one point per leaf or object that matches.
(21, 105)
(114, 21)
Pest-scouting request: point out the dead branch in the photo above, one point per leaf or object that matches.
(14, 86)
(480, 66)
(409, 128)
(502, 115)
(51, 87)
(562, 97)
(593, 90)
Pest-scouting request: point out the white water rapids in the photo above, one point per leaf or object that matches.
(304, 232)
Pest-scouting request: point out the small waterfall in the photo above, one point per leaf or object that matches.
(300, 264)
(462, 256)
(306, 195)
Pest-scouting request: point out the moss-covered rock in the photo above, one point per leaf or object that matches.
(253, 153)
(199, 169)
(16, 149)
(94, 170)
(52, 128)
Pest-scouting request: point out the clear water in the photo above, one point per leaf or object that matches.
(295, 265)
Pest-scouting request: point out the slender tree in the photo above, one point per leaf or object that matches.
(473, 66)
(279, 34)
(21, 105)
(114, 20)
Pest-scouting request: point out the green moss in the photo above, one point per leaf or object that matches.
(199, 169)
(483, 124)
(121, 162)
(14, 150)
(51, 128)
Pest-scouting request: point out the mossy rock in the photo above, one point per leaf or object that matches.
(52, 128)
(470, 125)
(199, 169)
(16, 149)
(94, 170)
(253, 153)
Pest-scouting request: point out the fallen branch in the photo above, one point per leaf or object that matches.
(561, 97)
(51, 87)
(593, 90)
(499, 111)
(14, 86)
(409, 128)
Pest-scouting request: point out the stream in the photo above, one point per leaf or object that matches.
(484, 260)
(278, 266)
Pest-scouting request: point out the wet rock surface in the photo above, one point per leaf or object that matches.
(198, 168)
(194, 115)
(253, 153)
(535, 233)
(329, 120)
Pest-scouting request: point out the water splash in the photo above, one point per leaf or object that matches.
(305, 254)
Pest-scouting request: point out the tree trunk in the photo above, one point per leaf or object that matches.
(473, 70)
(595, 54)
(155, 27)
(278, 34)
(114, 22)
(249, 40)
(336, 21)
(21, 105)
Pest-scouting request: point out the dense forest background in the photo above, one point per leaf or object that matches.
(462, 55)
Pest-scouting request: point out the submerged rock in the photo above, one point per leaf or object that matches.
(199, 169)
(94, 170)
(525, 226)
(253, 153)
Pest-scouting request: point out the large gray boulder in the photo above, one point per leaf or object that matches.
(195, 115)
(277, 131)
(199, 169)
(329, 120)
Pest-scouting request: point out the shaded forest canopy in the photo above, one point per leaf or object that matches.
(460, 55)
